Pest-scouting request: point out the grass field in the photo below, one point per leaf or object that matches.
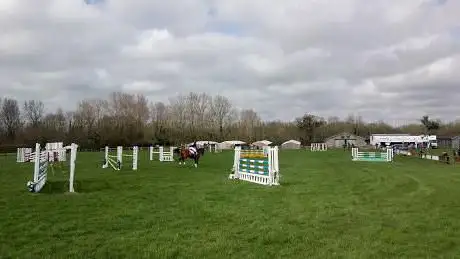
(326, 207)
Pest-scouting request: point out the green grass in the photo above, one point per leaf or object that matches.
(326, 207)
(439, 151)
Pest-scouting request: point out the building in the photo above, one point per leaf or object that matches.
(345, 138)
(445, 141)
(455, 142)
(291, 144)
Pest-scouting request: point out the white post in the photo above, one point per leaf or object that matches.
(62, 154)
(389, 154)
(73, 157)
(161, 155)
(276, 165)
(236, 162)
(151, 152)
(135, 153)
(270, 166)
(37, 162)
(106, 157)
(120, 154)
(354, 152)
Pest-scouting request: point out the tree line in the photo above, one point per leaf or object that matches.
(131, 119)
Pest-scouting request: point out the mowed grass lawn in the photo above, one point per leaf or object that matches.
(326, 207)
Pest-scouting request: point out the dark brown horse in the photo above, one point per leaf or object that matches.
(187, 152)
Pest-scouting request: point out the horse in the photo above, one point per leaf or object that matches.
(187, 152)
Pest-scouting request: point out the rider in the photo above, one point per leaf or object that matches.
(193, 149)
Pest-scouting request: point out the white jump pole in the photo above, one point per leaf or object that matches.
(161, 150)
(73, 158)
(106, 154)
(135, 153)
(120, 154)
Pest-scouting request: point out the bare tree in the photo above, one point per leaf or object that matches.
(159, 113)
(197, 107)
(87, 114)
(203, 106)
(56, 122)
(179, 114)
(221, 109)
(10, 117)
(122, 106)
(249, 122)
(191, 103)
(142, 112)
(33, 112)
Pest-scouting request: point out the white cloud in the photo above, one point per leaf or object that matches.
(139, 86)
(390, 60)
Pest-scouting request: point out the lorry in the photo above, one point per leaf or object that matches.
(393, 139)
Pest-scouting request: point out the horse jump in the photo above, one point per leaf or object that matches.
(58, 148)
(23, 155)
(163, 156)
(256, 166)
(116, 161)
(318, 147)
(214, 148)
(372, 156)
(42, 160)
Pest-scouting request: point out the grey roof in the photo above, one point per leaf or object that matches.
(345, 133)
(402, 134)
(292, 141)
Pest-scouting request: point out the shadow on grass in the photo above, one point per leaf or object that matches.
(55, 187)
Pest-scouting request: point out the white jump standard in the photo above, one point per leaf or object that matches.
(42, 160)
(163, 156)
(386, 156)
(318, 147)
(256, 167)
(40, 170)
(116, 161)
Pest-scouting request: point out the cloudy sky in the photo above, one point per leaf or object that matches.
(381, 59)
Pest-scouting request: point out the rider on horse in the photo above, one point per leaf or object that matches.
(192, 152)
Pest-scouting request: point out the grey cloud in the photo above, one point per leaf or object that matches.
(331, 58)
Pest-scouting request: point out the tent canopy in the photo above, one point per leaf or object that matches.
(292, 141)
(262, 143)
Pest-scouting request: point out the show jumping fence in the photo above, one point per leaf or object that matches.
(256, 166)
(116, 161)
(386, 156)
(163, 156)
(318, 147)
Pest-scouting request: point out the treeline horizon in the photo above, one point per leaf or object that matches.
(131, 119)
